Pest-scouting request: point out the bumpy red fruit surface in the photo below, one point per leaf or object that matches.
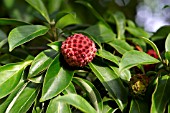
(78, 50)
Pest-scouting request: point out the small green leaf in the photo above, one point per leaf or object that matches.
(107, 55)
(121, 46)
(101, 33)
(120, 24)
(60, 15)
(11, 74)
(39, 6)
(56, 80)
(92, 93)
(55, 45)
(135, 58)
(160, 97)
(3, 42)
(24, 99)
(56, 106)
(41, 62)
(7, 21)
(111, 82)
(77, 101)
(23, 34)
(139, 106)
(167, 43)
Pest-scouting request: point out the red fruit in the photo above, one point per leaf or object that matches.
(78, 50)
(151, 52)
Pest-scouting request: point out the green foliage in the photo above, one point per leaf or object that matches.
(34, 77)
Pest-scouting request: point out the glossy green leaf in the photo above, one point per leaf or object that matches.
(37, 79)
(23, 34)
(96, 14)
(167, 55)
(70, 89)
(54, 5)
(39, 6)
(5, 104)
(56, 79)
(130, 23)
(56, 106)
(160, 97)
(121, 46)
(77, 101)
(60, 15)
(167, 43)
(101, 33)
(41, 62)
(135, 58)
(152, 45)
(139, 106)
(120, 24)
(11, 74)
(111, 82)
(92, 93)
(137, 32)
(69, 19)
(161, 33)
(124, 75)
(55, 45)
(3, 42)
(24, 99)
(8, 21)
(107, 55)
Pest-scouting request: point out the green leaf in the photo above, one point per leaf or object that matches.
(107, 55)
(39, 6)
(135, 58)
(56, 80)
(2, 35)
(11, 74)
(3, 42)
(167, 55)
(8, 21)
(70, 89)
(161, 33)
(124, 75)
(5, 104)
(37, 79)
(139, 106)
(120, 24)
(41, 62)
(23, 34)
(55, 45)
(77, 101)
(24, 99)
(101, 33)
(54, 5)
(130, 23)
(121, 46)
(111, 82)
(96, 14)
(160, 97)
(137, 32)
(56, 106)
(60, 15)
(66, 20)
(167, 43)
(92, 93)
(152, 45)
